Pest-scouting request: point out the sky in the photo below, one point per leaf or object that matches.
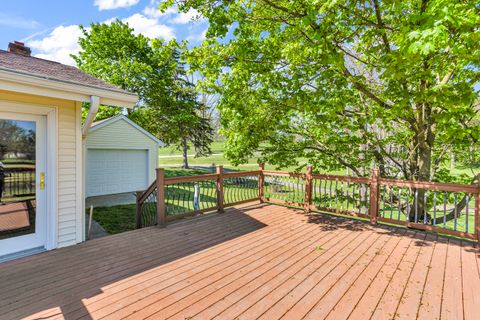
(50, 27)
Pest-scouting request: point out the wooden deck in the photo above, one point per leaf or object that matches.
(254, 262)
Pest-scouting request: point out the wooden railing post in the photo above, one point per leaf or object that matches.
(138, 215)
(161, 209)
(261, 182)
(477, 210)
(220, 188)
(374, 195)
(307, 203)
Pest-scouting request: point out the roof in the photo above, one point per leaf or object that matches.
(105, 122)
(51, 70)
(53, 75)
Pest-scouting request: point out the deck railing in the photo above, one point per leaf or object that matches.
(437, 207)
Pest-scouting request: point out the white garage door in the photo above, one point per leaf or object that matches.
(116, 171)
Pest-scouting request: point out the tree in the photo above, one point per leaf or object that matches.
(152, 69)
(343, 83)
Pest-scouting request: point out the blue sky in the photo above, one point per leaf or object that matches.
(50, 27)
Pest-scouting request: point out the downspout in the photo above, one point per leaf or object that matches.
(92, 112)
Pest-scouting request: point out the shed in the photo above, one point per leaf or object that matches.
(121, 157)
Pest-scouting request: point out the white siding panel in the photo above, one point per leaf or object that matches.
(67, 213)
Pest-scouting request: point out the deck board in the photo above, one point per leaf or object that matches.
(256, 261)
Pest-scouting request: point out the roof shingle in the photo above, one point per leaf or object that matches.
(51, 70)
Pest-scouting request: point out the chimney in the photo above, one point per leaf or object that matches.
(19, 48)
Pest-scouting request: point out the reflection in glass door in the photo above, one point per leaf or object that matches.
(22, 182)
(17, 177)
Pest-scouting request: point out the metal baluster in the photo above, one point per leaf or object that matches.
(416, 205)
(444, 209)
(408, 204)
(434, 208)
(382, 196)
(336, 195)
(348, 199)
(399, 208)
(425, 207)
(360, 190)
(391, 203)
(455, 211)
(341, 196)
(466, 213)
(330, 198)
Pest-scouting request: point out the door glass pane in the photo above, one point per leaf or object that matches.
(17, 178)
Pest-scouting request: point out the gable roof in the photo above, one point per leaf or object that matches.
(52, 70)
(105, 122)
(60, 74)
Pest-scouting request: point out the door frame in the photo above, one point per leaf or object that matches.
(51, 165)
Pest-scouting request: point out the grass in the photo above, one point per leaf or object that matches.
(216, 147)
(116, 219)
(171, 157)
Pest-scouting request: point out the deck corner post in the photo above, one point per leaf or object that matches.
(374, 195)
(138, 214)
(477, 210)
(261, 182)
(219, 188)
(161, 209)
(307, 203)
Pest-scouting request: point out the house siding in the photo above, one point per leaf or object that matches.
(122, 135)
(69, 215)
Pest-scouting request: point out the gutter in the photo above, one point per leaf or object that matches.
(92, 112)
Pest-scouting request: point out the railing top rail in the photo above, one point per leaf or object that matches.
(241, 174)
(147, 192)
(435, 186)
(173, 180)
(283, 173)
(341, 178)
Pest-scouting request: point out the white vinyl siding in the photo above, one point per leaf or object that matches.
(122, 135)
(69, 209)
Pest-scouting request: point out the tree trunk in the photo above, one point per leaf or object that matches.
(185, 153)
(425, 138)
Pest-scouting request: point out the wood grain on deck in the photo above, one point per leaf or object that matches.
(255, 262)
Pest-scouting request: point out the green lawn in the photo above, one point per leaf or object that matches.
(216, 147)
(171, 157)
(116, 219)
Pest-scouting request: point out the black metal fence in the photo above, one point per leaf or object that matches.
(17, 183)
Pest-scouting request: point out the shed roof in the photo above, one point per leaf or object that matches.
(105, 122)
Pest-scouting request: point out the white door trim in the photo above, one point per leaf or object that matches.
(51, 162)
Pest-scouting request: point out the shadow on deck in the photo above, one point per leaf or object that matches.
(253, 261)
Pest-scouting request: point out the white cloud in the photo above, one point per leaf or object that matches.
(59, 44)
(114, 4)
(149, 27)
(153, 12)
(172, 14)
(63, 40)
(197, 36)
(186, 17)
